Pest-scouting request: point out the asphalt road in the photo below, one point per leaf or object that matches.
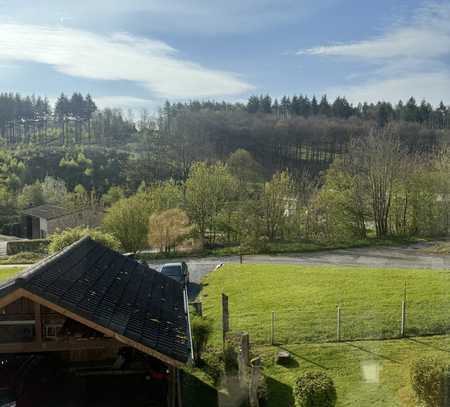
(393, 257)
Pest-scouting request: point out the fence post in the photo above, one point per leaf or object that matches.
(240, 258)
(403, 321)
(225, 318)
(254, 380)
(338, 324)
(272, 330)
(244, 358)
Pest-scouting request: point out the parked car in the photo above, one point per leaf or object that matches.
(177, 271)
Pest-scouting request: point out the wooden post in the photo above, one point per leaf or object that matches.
(403, 321)
(172, 387)
(272, 330)
(254, 381)
(225, 318)
(179, 389)
(244, 358)
(245, 348)
(37, 323)
(338, 324)
(240, 258)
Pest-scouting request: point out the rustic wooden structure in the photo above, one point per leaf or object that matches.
(39, 222)
(89, 301)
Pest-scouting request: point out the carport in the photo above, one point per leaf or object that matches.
(90, 326)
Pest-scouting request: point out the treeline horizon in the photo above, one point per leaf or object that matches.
(14, 106)
(286, 107)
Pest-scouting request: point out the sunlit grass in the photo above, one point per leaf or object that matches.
(305, 298)
(9, 272)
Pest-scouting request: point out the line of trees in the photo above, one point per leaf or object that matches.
(287, 107)
(73, 120)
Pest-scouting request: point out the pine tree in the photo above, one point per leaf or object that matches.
(253, 104)
(314, 106)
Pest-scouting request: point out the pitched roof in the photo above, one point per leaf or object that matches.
(115, 292)
(47, 211)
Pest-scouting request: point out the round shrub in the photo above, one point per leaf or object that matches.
(314, 389)
(59, 241)
(430, 380)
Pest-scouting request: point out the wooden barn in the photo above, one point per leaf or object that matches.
(89, 326)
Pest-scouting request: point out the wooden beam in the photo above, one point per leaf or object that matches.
(37, 323)
(108, 332)
(55, 346)
(172, 387)
(11, 297)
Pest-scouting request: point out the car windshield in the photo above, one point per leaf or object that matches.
(171, 270)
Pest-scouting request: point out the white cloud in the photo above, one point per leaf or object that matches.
(409, 59)
(427, 36)
(152, 64)
(126, 102)
(433, 87)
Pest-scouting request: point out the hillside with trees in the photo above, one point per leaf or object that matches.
(297, 169)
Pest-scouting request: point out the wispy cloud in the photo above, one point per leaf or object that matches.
(427, 36)
(208, 17)
(153, 64)
(407, 59)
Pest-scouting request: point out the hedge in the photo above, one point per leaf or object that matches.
(19, 246)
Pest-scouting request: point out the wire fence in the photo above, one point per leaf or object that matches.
(346, 321)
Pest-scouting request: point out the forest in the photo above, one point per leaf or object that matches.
(269, 170)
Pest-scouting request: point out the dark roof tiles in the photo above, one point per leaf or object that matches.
(116, 292)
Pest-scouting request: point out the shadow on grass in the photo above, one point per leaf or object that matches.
(194, 290)
(302, 358)
(378, 355)
(428, 345)
(279, 394)
(197, 393)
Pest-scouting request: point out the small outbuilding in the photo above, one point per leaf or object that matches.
(99, 314)
(41, 221)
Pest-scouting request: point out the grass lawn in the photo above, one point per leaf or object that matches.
(368, 373)
(304, 299)
(8, 272)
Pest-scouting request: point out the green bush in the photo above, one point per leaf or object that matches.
(230, 357)
(201, 330)
(314, 389)
(430, 381)
(23, 258)
(20, 246)
(212, 364)
(59, 241)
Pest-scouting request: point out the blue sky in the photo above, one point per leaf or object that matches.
(137, 53)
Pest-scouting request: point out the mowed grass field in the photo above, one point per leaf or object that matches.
(367, 373)
(8, 272)
(305, 298)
